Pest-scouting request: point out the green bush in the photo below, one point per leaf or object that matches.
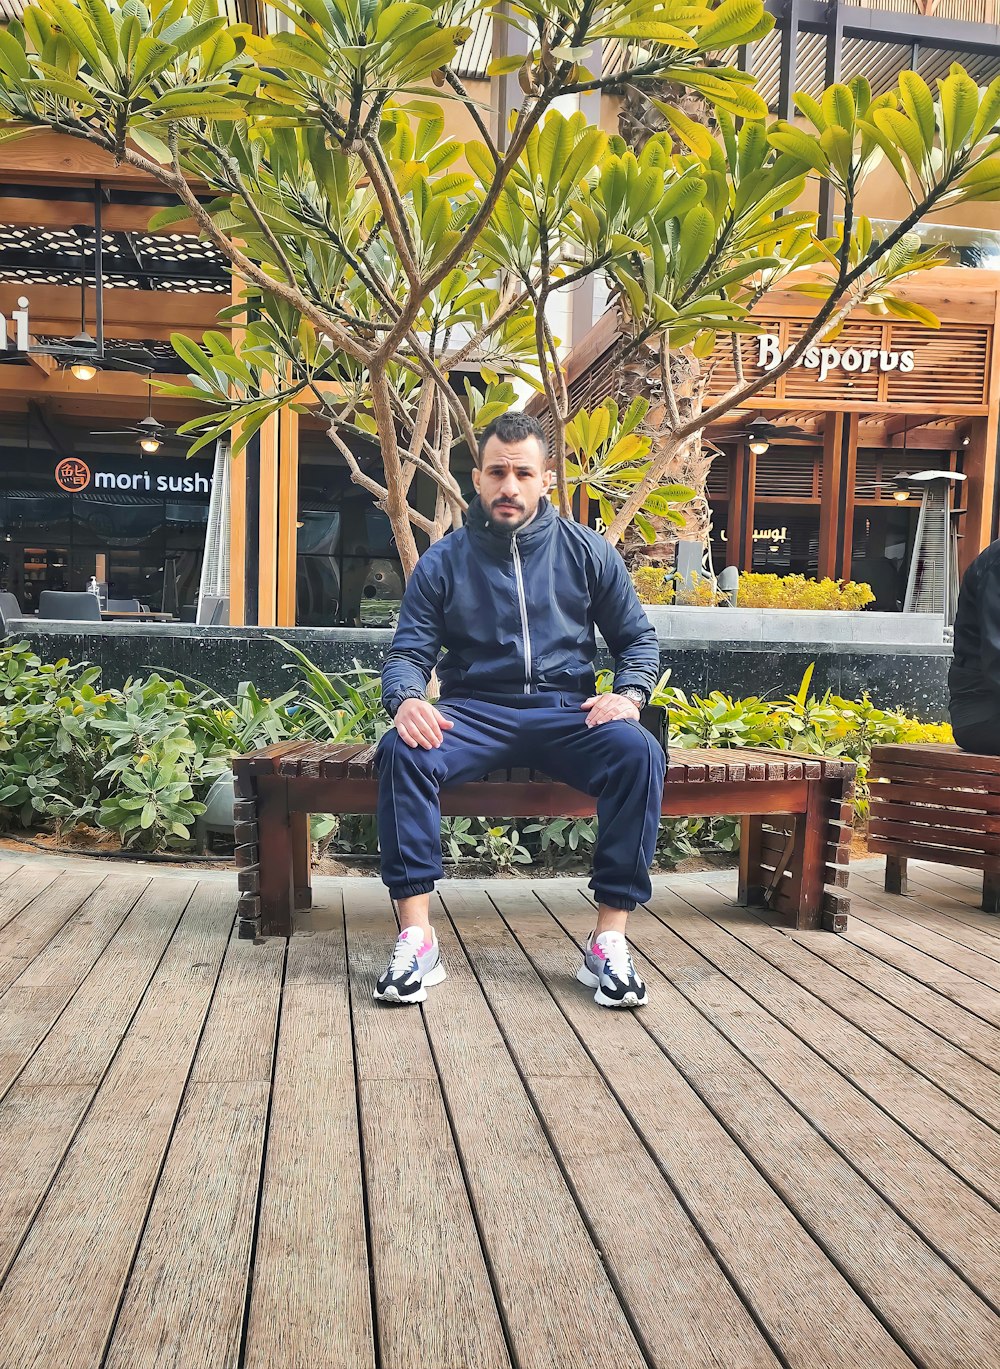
(139, 760)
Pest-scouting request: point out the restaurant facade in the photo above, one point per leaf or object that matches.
(885, 398)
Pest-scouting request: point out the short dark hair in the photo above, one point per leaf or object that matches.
(513, 426)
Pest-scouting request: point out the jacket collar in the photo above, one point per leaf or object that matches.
(498, 541)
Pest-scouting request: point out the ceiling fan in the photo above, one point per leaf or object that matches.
(150, 431)
(86, 354)
(759, 433)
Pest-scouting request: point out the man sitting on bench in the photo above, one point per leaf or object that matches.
(513, 597)
(974, 677)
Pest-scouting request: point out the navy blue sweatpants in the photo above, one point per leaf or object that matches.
(619, 763)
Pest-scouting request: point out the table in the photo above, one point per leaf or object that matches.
(137, 617)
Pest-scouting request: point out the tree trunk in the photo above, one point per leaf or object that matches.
(638, 120)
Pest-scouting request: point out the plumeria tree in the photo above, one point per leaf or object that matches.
(397, 280)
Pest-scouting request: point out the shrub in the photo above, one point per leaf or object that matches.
(657, 586)
(795, 591)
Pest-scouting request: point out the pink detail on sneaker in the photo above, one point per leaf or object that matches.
(427, 946)
(597, 950)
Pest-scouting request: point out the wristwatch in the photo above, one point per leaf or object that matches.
(633, 692)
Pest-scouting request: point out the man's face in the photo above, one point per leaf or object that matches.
(511, 481)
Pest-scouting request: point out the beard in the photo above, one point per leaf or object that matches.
(511, 518)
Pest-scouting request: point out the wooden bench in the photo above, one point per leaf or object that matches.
(797, 818)
(936, 803)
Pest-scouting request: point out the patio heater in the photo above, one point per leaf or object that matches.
(932, 584)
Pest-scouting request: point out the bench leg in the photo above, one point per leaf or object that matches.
(277, 889)
(301, 862)
(752, 886)
(895, 875)
(991, 893)
(822, 849)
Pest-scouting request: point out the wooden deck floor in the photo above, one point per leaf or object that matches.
(217, 1154)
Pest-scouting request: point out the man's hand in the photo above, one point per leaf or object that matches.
(420, 724)
(604, 708)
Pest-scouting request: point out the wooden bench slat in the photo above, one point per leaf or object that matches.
(338, 764)
(976, 800)
(940, 818)
(944, 838)
(939, 756)
(907, 774)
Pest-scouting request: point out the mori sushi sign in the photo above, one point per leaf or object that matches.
(824, 359)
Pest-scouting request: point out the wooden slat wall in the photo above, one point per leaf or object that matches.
(950, 373)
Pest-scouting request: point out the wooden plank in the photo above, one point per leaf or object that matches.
(959, 905)
(40, 993)
(28, 931)
(688, 1314)
(925, 776)
(938, 819)
(22, 885)
(912, 850)
(940, 797)
(964, 1143)
(831, 1154)
(334, 765)
(942, 756)
(944, 838)
(434, 1301)
(968, 1081)
(973, 963)
(61, 1292)
(951, 983)
(945, 915)
(185, 1297)
(545, 1265)
(754, 1224)
(310, 1303)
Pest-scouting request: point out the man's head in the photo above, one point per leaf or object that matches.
(513, 473)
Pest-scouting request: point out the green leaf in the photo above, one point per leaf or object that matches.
(905, 134)
(918, 102)
(959, 106)
(916, 313)
(688, 130)
(697, 239)
(730, 23)
(989, 112)
(838, 106)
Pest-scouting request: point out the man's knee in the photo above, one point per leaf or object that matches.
(394, 754)
(635, 747)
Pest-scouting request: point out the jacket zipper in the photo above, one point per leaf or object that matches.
(524, 614)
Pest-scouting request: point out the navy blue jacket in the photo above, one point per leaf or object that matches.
(516, 614)
(974, 677)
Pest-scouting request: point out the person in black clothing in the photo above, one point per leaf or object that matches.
(514, 597)
(974, 677)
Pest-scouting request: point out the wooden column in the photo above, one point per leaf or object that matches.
(979, 492)
(849, 464)
(737, 504)
(288, 514)
(237, 539)
(745, 547)
(267, 530)
(833, 439)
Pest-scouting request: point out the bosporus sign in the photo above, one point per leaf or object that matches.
(827, 359)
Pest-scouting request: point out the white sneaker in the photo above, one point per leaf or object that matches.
(607, 967)
(413, 966)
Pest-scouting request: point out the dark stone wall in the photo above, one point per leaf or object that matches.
(913, 678)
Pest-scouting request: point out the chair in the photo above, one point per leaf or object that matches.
(9, 608)
(123, 606)
(69, 606)
(213, 610)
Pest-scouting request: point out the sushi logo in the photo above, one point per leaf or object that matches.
(72, 475)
